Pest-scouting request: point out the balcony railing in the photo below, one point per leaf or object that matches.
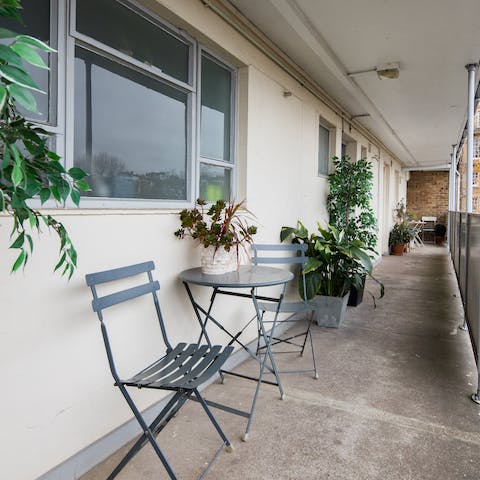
(464, 241)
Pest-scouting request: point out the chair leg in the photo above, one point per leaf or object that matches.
(313, 350)
(212, 418)
(166, 414)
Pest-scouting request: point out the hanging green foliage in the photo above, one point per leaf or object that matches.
(349, 201)
(29, 169)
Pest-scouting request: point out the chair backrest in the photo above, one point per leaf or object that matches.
(278, 254)
(429, 223)
(100, 303)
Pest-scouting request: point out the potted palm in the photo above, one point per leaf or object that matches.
(333, 262)
(350, 210)
(221, 229)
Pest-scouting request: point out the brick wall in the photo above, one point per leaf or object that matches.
(427, 195)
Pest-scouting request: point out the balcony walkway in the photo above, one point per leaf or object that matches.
(392, 401)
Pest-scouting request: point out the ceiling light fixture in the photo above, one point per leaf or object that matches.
(386, 70)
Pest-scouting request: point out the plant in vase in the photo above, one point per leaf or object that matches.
(222, 229)
(401, 233)
(331, 269)
(350, 210)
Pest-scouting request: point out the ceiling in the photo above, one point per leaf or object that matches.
(418, 116)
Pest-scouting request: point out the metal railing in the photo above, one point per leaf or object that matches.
(464, 242)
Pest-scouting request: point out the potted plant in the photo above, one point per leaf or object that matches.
(399, 237)
(221, 229)
(331, 269)
(350, 210)
(440, 232)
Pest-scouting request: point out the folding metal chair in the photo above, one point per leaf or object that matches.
(293, 254)
(181, 370)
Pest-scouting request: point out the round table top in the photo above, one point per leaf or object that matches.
(246, 276)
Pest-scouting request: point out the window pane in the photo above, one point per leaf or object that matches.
(36, 18)
(130, 131)
(214, 183)
(215, 111)
(133, 35)
(323, 150)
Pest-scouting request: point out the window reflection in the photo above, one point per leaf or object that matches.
(133, 35)
(214, 183)
(130, 131)
(215, 111)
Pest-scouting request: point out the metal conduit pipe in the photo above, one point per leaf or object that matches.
(247, 30)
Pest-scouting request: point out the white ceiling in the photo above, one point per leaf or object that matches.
(420, 115)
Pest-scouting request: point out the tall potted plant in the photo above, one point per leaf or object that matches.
(350, 210)
(28, 169)
(222, 229)
(330, 272)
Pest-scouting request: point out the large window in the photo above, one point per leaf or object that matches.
(323, 150)
(148, 113)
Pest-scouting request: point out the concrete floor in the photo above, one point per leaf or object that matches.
(392, 401)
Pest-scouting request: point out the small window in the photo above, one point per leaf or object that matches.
(323, 150)
(476, 147)
(216, 126)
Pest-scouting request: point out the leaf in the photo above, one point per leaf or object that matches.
(6, 157)
(75, 196)
(30, 242)
(23, 96)
(19, 261)
(17, 174)
(77, 173)
(9, 56)
(5, 33)
(18, 76)
(35, 42)
(28, 54)
(3, 97)
(19, 241)
(82, 185)
(60, 262)
(2, 201)
(44, 195)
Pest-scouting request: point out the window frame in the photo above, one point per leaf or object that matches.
(232, 163)
(70, 38)
(323, 124)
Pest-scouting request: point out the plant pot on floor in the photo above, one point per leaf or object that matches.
(356, 294)
(216, 260)
(330, 310)
(397, 249)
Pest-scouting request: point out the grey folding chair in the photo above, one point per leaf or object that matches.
(181, 370)
(293, 254)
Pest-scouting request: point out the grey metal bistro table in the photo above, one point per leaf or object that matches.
(250, 277)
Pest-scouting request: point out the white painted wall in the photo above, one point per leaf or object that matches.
(57, 395)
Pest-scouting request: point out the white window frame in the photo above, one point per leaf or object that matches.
(231, 164)
(63, 30)
(322, 123)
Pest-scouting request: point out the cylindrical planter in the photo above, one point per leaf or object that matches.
(216, 260)
(397, 249)
(330, 310)
(356, 294)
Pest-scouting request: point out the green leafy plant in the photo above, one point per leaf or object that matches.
(220, 224)
(29, 169)
(400, 234)
(349, 201)
(333, 260)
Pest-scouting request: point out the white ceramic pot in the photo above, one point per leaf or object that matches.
(216, 260)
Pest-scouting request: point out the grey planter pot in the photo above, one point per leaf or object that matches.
(331, 310)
